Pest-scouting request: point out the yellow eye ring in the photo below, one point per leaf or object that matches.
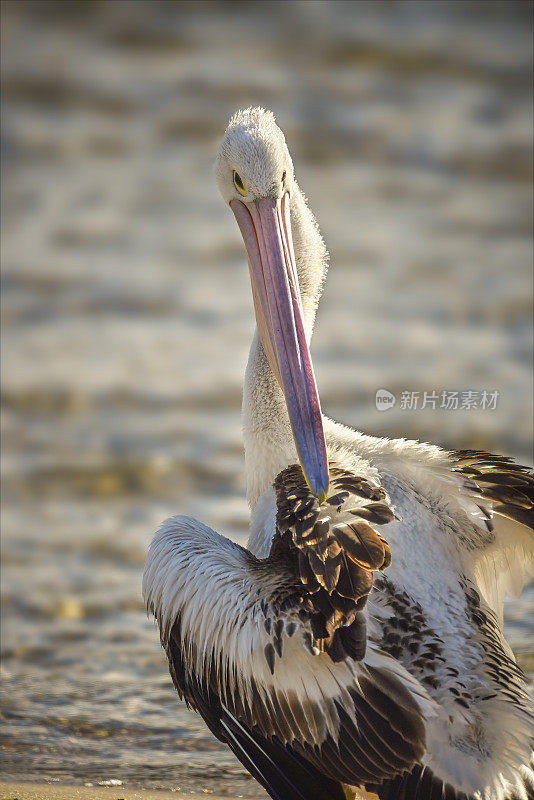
(239, 183)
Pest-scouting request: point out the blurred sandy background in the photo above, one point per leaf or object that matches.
(127, 314)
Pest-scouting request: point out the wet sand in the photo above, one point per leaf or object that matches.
(47, 791)
(41, 791)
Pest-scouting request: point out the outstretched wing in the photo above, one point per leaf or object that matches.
(498, 497)
(484, 501)
(242, 642)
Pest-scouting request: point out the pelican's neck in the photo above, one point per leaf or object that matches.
(269, 445)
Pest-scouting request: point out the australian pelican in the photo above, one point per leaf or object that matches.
(357, 644)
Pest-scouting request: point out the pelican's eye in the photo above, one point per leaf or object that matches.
(283, 177)
(239, 183)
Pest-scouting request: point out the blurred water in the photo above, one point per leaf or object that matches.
(127, 314)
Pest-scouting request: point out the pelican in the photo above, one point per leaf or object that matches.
(355, 647)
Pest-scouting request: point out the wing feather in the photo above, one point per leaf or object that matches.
(498, 496)
(509, 487)
(336, 551)
(422, 784)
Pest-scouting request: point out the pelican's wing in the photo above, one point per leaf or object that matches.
(243, 651)
(499, 481)
(497, 496)
(282, 772)
(485, 501)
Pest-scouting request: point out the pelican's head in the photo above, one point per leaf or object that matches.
(253, 160)
(255, 175)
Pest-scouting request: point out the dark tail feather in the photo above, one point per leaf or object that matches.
(283, 773)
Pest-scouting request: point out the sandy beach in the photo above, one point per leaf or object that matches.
(47, 791)
(41, 791)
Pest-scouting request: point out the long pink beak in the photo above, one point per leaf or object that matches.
(266, 230)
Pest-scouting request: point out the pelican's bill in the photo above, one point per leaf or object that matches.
(266, 229)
